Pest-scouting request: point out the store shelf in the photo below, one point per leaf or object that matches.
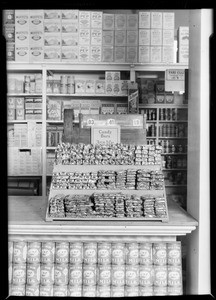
(174, 153)
(51, 148)
(175, 185)
(162, 105)
(179, 169)
(172, 138)
(23, 121)
(23, 95)
(86, 95)
(173, 121)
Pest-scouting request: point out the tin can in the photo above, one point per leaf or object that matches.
(160, 290)
(145, 254)
(131, 291)
(61, 274)
(174, 253)
(47, 274)
(132, 253)
(76, 253)
(10, 272)
(33, 274)
(103, 291)
(159, 251)
(104, 275)
(174, 290)
(117, 291)
(60, 291)
(62, 253)
(47, 252)
(32, 290)
(174, 275)
(75, 291)
(89, 275)
(104, 253)
(118, 275)
(118, 253)
(160, 276)
(75, 274)
(10, 252)
(46, 290)
(19, 274)
(90, 253)
(17, 290)
(89, 291)
(146, 291)
(146, 275)
(132, 275)
(19, 252)
(33, 252)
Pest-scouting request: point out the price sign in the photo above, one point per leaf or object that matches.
(175, 80)
(136, 122)
(110, 122)
(90, 122)
(105, 134)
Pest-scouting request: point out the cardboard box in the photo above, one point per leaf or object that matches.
(120, 37)
(168, 20)
(11, 102)
(107, 54)
(169, 98)
(19, 103)
(156, 19)
(112, 76)
(117, 88)
(52, 53)
(70, 14)
(36, 54)
(36, 39)
(8, 16)
(156, 37)
(168, 37)
(80, 86)
(124, 87)
(96, 19)
(145, 19)
(52, 14)
(133, 99)
(109, 87)
(84, 36)
(121, 108)
(85, 108)
(108, 22)
(11, 114)
(132, 38)
(69, 26)
(29, 103)
(36, 18)
(108, 38)
(144, 37)
(95, 53)
(69, 39)
(120, 21)
(53, 40)
(132, 21)
(22, 54)
(52, 26)
(131, 54)
(100, 86)
(70, 53)
(84, 19)
(22, 38)
(84, 53)
(22, 20)
(109, 75)
(183, 36)
(10, 51)
(54, 109)
(96, 37)
(160, 98)
(167, 54)
(20, 114)
(9, 33)
(107, 108)
(119, 54)
(90, 86)
(155, 54)
(183, 54)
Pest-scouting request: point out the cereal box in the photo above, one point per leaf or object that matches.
(36, 39)
(70, 14)
(168, 20)
(119, 54)
(84, 36)
(108, 21)
(144, 37)
(52, 53)
(156, 19)
(36, 54)
(168, 37)
(70, 53)
(131, 54)
(95, 53)
(117, 88)
(144, 19)
(167, 54)
(22, 19)
(69, 26)
(107, 54)
(132, 22)
(84, 53)
(53, 40)
(132, 38)
(120, 21)
(156, 37)
(96, 37)
(80, 86)
(108, 37)
(69, 39)
(52, 14)
(90, 86)
(155, 54)
(99, 86)
(120, 38)
(84, 19)
(109, 88)
(36, 17)
(22, 38)
(96, 19)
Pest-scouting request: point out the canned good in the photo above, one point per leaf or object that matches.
(33, 252)
(104, 253)
(75, 291)
(131, 291)
(118, 275)
(10, 272)
(47, 252)
(132, 253)
(32, 290)
(146, 275)
(90, 253)
(146, 291)
(61, 274)
(89, 274)
(33, 274)
(75, 274)
(118, 253)
(47, 274)
(89, 291)
(160, 290)
(160, 276)
(46, 290)
(174, 290)
(174, 253)
(174, 275)
(19, 252)
(145, 254)
(103, 291)
(117, 291)
(10, 252)
(159, 254)
(60, 291)
(76, 253)
(104, 275)
(62, 253)
(132, 275)
(17, 290)
(19, 274)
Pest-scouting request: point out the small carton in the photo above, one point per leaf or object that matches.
(121, 108)
(10, 51)
(11, 103)
(36, 54)
(9, 16)
(54, 108)
(69, 26)
(22, 19)
(53, 40)
(80, 86)
(108, 75)
(156, 19)
(96, 37)
(116, 76)
(22, 38)
(183, 36)
(169, 98)
(36, 17)
(160, 86)
(107, 108)
(52, 14)
(84, 36)
(37, 103)
(131, 54)
(169, 20)
(168, 37)
(120, 21)
(167, 54)
(36, 39)
(20, 114)
(90, 86)
(19, 103)
(85, 108)
(52, 53)
(145, 19)
(124, 87)
(183, 54)
(52, 26)
(117, 88)
(95, 53)
(120, 38)
(70, 53)
(69, 39)
(156, 37)
(132, 38)
(132, 22)
(108, 37)
(29, 103)
(107, 54)
(108, 22)
(100, 86)
(9, 33)
(120, 54)
(22, 54)
(84, 53)
(70, 14)
(144, 37)
(10, 114)
(84, 19)
(155, 54)
(109, 87)
(96, 19)
(160, 98)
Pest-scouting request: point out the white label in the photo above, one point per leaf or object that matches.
(136, 122)
(110, 121)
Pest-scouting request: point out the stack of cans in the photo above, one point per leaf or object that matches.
(75, 280)
(104, 269)
(47, 268)
(89, 269)
(132, 270)
(118, 270)
(131, 179)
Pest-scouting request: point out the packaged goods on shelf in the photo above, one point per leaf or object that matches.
(52, 14)
(9, 33)
(80, 86)
(112, 75)
(155, 54)
(54, 135)
(9, 16)
(156, 19)
(120, 21)
(131, 54)
(96, 19)
(21, 53)
(108, 21)
(132, 38)
(108, 37)
(121, 108)
(167, 54)
(100, 86)
(36, 18)
(120, 37)
(84, 36)
(84, 53)
(133, 98)
(11, 114)
(84, 19)
(144, 54)
(70, 53)
(183, 44)
(156, 37)
(132, 21)
(22, 19)
(144, 37)
(53, 109)
(52, 39)
(168, 37)
(119, 54)
(90, 86)
(52, 26)
(70, 14)
(168, 20)
(52, 53)
(96, 37)
(107, 54)
(144, 19)
(69, 26)
(10, 51)
(36, 54)
(107, 108)
(20, 114)
(95, 53)
(50, 158)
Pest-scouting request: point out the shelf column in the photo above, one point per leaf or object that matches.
(44, 171)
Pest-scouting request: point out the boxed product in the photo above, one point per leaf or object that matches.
(167, 54)
(109, 76)
(52, 14)
(107, 54)
(132, 21)
(69, 26)
(22, 38)
(36, 17)
(94, 110)
(131, 54)
(80, 86)
(11, 103)
(132, 38)
(36, 39)
(121, 108)
(90, 86)
(53, 40)
(69, 39)
(168, 20)
(124, 87)
(96, 19)
(36, 54)
(183, 36)
(52, 26)
(169, 98)
(10, 51)
(109, 87)
(183, 54)
(9, 33)
(144, 19)
(168, 37)
(100, 86)
(70, 14)
(85, 107)
(108, 37)
(22, 19)
(108, 22)
(19, 103)
(160, 86)
(84, 53)
(75, 105)
(133, 98)
(160, 98)
(155, 54)
(156, 37)
(107, 108)
(156, 19)
(52, 53)
(151, 98)
(29, 103)
(119, 54)
(84, 19)
(117, 87)
(120, 21)
(9, 16)
(22, 54)
(95, 53)
(96, 37)
(120, 38)
(10, 114)
(70, 53)
(20, 114)
(37, 103)
(84, 36)
(54, 109)
(144, 37)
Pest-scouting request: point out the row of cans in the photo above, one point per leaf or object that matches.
(92, 291)
(103, 275)
(92, 252)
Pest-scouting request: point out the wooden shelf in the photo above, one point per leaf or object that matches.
(85, 95)
(23, 95)
(164, 105)
(175, 185)
(181, 153)
(173, 121)
(172, 138)
(23, 121)
(177, 169)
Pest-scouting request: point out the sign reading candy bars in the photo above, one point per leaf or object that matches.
(105, 134)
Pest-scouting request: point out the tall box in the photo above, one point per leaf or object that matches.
(169, 20)
(36, 18)
(167, 54)
(132, 21)
(108, 22)
(145, 19)
(156, 19)
(120, 21)
(22, 38)
(21, 20)
(70, 54)
(168, 37)
(183, 54)
(22, 54)
(120, 37)
(36, 39)
(9, 33)
(84, 53)
(84, 36)
(131, 54)
(144, 37)
(107, 54)
(84, 19)
(95, 53)
(119, 54)
(9, 16)
(144, 54)
(108, 37)
(155, 54)
(10, 51)
(69, 26)
(96, 37)
(96, 19)
(156, 37)
(132, 38)
(36, 54)
(70, 14)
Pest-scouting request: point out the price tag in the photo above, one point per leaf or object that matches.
(136, 122)
(110, 121)
(90, 122)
